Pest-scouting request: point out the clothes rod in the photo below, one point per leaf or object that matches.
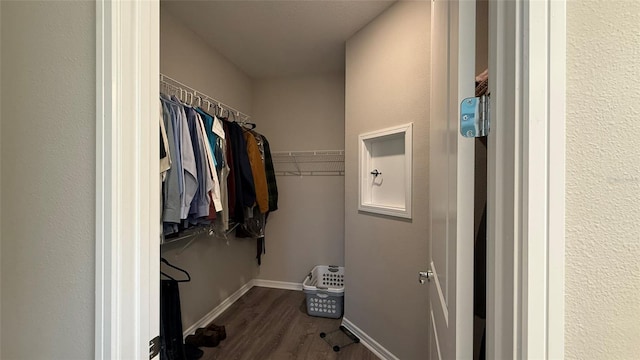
(204, 97)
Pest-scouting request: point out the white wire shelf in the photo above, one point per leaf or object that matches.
(309, 163)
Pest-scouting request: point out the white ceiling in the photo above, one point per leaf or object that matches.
(278, 38)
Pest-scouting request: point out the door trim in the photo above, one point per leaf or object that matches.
(526, 180)
(526, 205)
(127, 183)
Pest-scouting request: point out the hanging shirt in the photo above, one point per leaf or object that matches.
(165, 154)
(165, 165)
(171, 189)
(257, 170)
(215, 188)
(208, 126)
(218, 129)
(188, 163)
(200, 203)
(245, 192)
(271, 176)
(222, 166)
(231, 181)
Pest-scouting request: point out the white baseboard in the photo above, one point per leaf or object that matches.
(366, 340)
(277, 284)
(224, 305)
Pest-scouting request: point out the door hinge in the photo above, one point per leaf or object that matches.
(425, 275)
(154, 347)
(475, 117)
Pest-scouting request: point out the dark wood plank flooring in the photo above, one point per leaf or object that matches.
(273, 324)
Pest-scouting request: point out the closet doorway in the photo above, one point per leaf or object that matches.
(113, 312)
(302, 68)
(285, 64)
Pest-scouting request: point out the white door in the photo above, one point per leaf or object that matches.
(451, 182)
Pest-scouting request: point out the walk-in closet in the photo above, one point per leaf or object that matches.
(264, 105)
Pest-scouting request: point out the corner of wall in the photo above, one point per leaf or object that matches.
(1, 22)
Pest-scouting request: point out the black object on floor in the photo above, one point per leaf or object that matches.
(171, 345)
(340, 338)
(203, 337)
(192, 352)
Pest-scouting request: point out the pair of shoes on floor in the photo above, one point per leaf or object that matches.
(222, 332)
(203, 337)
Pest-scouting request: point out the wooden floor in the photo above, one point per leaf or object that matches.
(273, 324)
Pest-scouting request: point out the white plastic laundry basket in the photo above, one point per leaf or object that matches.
(324, 290)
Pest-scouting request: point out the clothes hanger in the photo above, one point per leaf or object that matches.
(247, 125)
(177, 268)
(188, 97)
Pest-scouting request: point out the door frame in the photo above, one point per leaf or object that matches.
(526, 186)
(526, 180)
(127, 183)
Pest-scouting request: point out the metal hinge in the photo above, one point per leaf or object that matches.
(475, 117)
(154, 347)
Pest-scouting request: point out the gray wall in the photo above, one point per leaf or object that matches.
(48, 179)
(387, 83)
(217, 269)
(0, 181)
(603, 180)
(303, 113)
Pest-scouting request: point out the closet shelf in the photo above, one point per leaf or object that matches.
(192, 96)
(310, 163)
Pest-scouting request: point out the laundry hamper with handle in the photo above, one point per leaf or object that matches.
(324, 290)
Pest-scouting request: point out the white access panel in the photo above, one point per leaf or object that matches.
(385, 171)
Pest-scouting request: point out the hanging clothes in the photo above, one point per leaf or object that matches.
(214, 193)
(199, 206)
(218, 173)
(190, 176)
(224, 169)
(256, 160)
(207, 123)
(270, 173)
(254, 225)
(172, 188)
(245, 192)
(165, 165)
(231, 181)
(165, 154)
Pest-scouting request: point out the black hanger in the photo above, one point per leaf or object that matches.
(177, 268)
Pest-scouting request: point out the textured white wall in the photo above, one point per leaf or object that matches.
(603, 180)
(217, 269)
(387, 83)
(48, 179)
(303, 113)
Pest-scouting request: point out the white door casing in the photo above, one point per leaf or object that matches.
(526, 180)
(451, 187)
(127, 178)
(520, 232)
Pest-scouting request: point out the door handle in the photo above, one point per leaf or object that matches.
(425, 275)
